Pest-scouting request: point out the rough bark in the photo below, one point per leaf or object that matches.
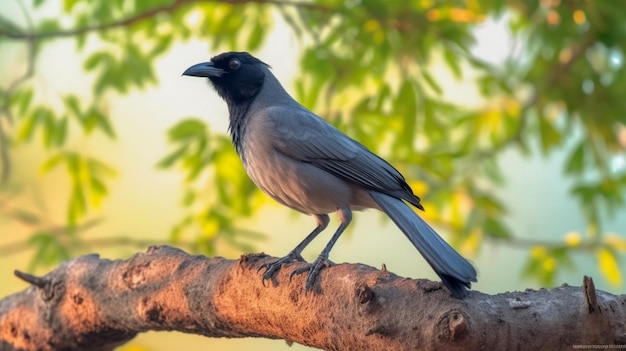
(97, 304)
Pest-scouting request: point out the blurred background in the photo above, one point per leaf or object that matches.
(507, 118)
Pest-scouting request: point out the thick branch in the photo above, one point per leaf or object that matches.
(101, 303)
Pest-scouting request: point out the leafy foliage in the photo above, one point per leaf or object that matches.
(201, 154)
(365, 66)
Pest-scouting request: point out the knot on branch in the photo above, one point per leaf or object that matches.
(364, 293)
(453, 326)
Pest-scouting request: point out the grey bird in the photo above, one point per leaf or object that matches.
(305, 163)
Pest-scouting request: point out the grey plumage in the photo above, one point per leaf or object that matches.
(305, 163)
(446, 262)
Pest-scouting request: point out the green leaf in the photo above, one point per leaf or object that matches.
(48, 250)
(189, 198)
(169, 160)
(95, 119)
(489, 204)
(73, 164)
(576, 160)
(496, 229)
(540, 265)
(41, 117)
(187, 128)
(82, 21)
(97, 59)
(102, 11)
(550, 137)
(406, 102)
(97, 186)
(27, 128)
(256, 36)
(49, 129)
(60, 133)
(72, 104)
(97, 191)
(105, 124)
(432, 83)
(407, 108)
(492, 171)
(453, 63)
(23, 100)
(68, 5)
(98, 167)
(47, 25)
(78, 204)
(37, 3)
(40, 242)
(164, 43)
(194, 165)
(52, 162)
(382, 96)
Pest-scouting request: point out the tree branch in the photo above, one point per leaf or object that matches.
(98, 304)
(53, 229)
(17, 34)
(27, 35)
(528, 243)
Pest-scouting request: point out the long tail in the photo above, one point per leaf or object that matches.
(455, 271)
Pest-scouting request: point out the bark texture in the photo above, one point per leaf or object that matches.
(91, 303)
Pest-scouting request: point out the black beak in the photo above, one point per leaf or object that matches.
(204, 69)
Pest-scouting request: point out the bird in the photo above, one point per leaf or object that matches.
(307, 164)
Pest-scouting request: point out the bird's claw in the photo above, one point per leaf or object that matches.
(313, 269)
(272, 268)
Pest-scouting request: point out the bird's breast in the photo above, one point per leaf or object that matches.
(297, 184)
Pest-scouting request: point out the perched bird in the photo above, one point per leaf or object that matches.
(306, 164)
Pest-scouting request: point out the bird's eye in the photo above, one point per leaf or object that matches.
(234, 64)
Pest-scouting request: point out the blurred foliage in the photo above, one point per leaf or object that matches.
(213, 206)
(365, 66)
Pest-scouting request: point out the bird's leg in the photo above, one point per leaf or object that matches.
(345, 216)
(295, 254)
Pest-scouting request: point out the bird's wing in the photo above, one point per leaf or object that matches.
(305, 137)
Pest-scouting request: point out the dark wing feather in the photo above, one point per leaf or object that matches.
(305, 137)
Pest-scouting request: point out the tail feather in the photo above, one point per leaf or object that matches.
(454, 270)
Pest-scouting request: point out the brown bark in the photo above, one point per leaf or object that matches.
(97, 304)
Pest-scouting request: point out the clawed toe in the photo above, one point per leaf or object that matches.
(272, 268)
(313, 269)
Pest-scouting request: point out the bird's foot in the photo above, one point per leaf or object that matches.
(313, 269)
(272, 268)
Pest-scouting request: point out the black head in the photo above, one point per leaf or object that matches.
(237, 76)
